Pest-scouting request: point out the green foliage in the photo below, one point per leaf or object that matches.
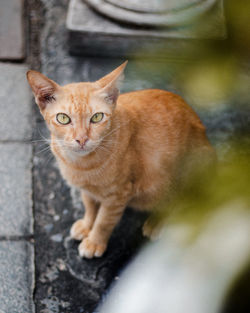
(208, 192)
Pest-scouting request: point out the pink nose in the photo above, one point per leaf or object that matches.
(82, 141)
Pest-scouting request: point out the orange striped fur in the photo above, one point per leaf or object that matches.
(134, 156)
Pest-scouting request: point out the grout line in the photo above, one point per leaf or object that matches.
(17, 238)
(16, 141)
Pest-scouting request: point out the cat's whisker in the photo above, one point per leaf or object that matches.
(98, 155)
(40, 140)
(112, 131)
(50, 158)
(102, 148)
(105, 140)
(115, 129)
(40, 133)
(42, 146)
(43, 150)
(59, 140)
(62, 143)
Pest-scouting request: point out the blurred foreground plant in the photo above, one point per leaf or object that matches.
(202, 262)
(204, 250)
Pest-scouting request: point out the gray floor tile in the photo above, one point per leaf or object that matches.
(16, 277)
(16, 189)
(15, 103)
(11, 30)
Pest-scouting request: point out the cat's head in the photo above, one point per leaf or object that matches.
(78, 115)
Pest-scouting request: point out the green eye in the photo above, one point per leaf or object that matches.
(63, 118)
(96, 117)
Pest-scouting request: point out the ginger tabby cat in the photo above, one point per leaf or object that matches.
(119, 150)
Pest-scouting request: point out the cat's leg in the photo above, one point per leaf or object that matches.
(96, 242)
(81, 228)
(154, 225)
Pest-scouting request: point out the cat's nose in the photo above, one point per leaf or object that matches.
(81, 141)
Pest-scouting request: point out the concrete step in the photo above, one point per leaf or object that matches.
(93, 34)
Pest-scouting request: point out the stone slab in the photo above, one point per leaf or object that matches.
(12, 41)
(16, 277)
(16, 189)
(15, 103)
(93, 34)
(153, 14)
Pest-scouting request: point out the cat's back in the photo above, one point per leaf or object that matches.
(165, 132)
(155, 107)
(162, 125)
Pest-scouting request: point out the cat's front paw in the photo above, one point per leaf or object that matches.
(79, 230)
(89, 249)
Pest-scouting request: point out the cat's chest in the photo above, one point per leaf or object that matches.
(77, 177)
(90, 180)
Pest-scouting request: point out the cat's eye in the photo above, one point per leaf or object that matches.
(97, 117)
(63, 118)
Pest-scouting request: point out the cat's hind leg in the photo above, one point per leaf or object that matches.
(81, 228)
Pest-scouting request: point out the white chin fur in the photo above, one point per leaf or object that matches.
(81, 152)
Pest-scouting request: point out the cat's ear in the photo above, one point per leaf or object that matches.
(44, 89)
(108, 86)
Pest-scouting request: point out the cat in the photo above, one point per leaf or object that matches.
(118, 149)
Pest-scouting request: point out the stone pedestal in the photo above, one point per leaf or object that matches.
(91, 33)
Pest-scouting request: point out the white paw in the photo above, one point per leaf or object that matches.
(89, 249)
(79, 230)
